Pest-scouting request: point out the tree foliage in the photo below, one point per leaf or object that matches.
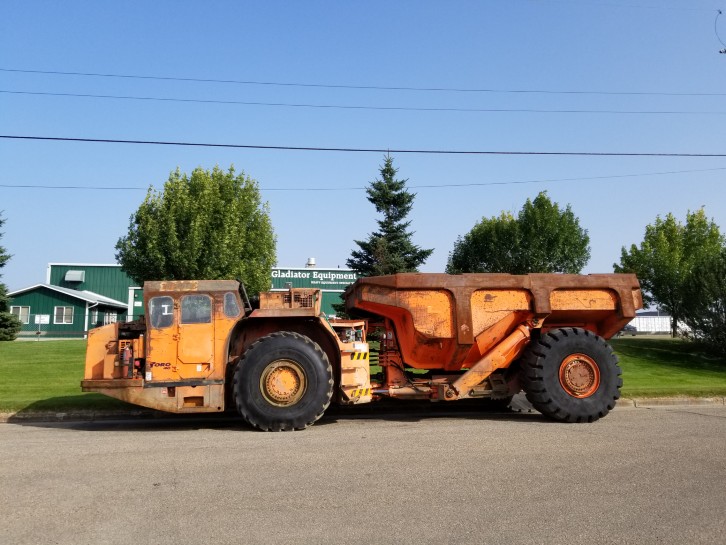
(210, 225)
(704, 299)
(390, 249)
(665, 262)
(543, 238)
(9, 323)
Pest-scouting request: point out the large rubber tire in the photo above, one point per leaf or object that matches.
(571, 375)
(283, 382)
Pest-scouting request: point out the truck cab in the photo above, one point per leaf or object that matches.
(184, 354)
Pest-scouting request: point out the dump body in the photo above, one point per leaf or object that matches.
(451, 321)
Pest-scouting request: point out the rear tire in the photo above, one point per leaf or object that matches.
(283, 382)
(571, 375)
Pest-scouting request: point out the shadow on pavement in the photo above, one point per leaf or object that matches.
(124, 417)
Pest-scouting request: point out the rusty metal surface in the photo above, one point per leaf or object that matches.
(355, 376)
(190, 285)
(293, 302)
(178, 399)
(540, 286)
(478, 323)
(183, 362)
(499, 357)
(283, 382)
(489, 306)
(174, 353)
(579, 375)
(440, 320)
(91, 385)
(195, 349)
(101, 342)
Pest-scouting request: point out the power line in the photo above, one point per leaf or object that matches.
(38, 186)
(353, 107)
(358, 87)
(431, 186)
(590, 178)
(362, 150)
(357, 188)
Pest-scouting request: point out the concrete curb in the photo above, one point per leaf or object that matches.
(675, 401)
(144, 414)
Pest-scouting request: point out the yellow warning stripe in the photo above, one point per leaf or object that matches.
(359, 356)
(360, 392)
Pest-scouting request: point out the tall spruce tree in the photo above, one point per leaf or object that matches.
(390, 249)
(9, 323)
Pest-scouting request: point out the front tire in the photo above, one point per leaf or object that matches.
(283, 382)
(571, 375)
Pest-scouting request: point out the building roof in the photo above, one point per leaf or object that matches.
(87, 296)
(660, 313)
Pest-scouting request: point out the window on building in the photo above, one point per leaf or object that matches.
(109, 318)
(231, 308)
(63, 315)
(23, 314)
(161, 311)
(196, 309)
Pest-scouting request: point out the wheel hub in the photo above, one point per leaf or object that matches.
(579, 375)
(283, 383)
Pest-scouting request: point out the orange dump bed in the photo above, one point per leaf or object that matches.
(450, 321)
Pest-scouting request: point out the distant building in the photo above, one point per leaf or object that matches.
(54, 311)
(652, 321)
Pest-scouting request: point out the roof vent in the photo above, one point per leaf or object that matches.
(311, 263)
(75, 276)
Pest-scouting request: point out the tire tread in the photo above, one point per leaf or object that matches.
(541, 389)
(258, 423)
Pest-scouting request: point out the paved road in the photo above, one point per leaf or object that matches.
(638, 476)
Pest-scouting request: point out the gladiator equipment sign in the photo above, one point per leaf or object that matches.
(324, 279)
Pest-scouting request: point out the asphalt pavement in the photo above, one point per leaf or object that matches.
(441, 475)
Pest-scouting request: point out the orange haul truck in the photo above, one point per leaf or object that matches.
(201, 347)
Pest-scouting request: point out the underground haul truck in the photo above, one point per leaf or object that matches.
(201, 347)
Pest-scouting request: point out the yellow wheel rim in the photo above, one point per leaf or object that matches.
(283, 383)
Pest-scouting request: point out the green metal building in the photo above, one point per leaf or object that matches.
(54, 311)
(108, 280)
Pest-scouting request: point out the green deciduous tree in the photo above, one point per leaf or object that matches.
(543, 238)
(704, 300)
(665, 260)
(9, 323)
(390, 249)
(210, 225)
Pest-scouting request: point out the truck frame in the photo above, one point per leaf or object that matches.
(201, 347)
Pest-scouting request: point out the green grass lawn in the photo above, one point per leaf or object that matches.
(46, 375)
(662, 366)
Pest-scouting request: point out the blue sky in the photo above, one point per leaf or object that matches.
(611, 47)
